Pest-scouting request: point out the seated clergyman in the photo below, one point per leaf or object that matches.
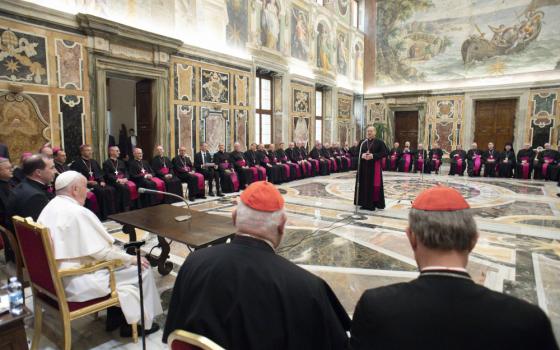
(79, 238)
(243, 295)
(444, 308)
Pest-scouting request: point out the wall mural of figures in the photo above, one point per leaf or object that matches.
(23, 58)
(342, 56)
(423, 41)
(300, 34)
(237, 29)
(270, 24)
(358, 61)
(343, 7)
(324, 46)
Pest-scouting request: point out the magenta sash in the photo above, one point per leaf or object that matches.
(377, 181)
(164, 170)
(234, 181)
(545, 166)
(241, 162)
(160, 186)
(524, 167)
(477, 164)
(459, 164)
(266, 160)
(420, 163)
(225, 166)
(261, 170)
(284, 159)
(200, 180)
(407, 162)
(287, 170)
(93, 200)
(437, 162)
(133, 190)
(393, 160)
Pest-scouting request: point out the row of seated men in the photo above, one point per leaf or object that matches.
(540, 164)
(114, 184)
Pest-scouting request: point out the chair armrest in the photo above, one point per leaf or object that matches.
(89, 268)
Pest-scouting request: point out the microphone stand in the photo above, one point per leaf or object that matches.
(136, 246)
(356, 215)
(179, 218)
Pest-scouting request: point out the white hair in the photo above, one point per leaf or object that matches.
(267, 222)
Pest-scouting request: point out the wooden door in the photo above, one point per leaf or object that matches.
(145, 118)
(406, 128)
(494, 122)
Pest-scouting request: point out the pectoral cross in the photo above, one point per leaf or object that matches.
(91, 174)
(116, 172)
(143, 171)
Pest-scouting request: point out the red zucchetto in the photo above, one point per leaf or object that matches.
(440, 198)
(262, 196)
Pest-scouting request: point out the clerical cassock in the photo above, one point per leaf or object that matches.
(435, 155)
(184, 170)
(474, 159)
(104, 193)
(295, 171)
(405, 163)
(490, 158)
(273, 172)
(143, 176)
(228, 176)
(393, 159)
(323, 164)
(458, 162)
(116, 175)
(546, 159)
(369, 178)
(420, 160)
(162, 166)
(506, 162)
(252, 160)
(525, 158)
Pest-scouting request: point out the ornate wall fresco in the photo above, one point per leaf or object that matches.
(212, 104)
(301, 36)
(237, 28)
(444, 121)
(271, 21)
(438, 40)
(342, 53)
(325, 46)
(543, 117)
(302, 118)
(39, 68)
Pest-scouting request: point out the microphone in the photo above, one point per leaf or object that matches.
(177, 218)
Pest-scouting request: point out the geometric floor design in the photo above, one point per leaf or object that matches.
(518, 251)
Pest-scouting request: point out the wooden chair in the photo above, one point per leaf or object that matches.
(183, 340)
(13, 243)
(46, 281)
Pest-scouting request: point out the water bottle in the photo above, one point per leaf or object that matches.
(16, 296)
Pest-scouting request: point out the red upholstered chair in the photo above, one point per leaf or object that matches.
(46, 281)
(183, 340)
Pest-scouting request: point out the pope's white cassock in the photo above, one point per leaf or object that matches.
(79, 238)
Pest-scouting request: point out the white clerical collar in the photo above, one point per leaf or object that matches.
(439, 268)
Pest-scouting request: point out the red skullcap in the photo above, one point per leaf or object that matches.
(262, 196)
(440, 198)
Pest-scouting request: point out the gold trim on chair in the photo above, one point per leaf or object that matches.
(56, 275)
(192, 339)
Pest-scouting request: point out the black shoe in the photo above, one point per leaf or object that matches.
(220, 194)
(211, 193)
(192, 199)
(558, 194)
(126, 330)
(201, 197)
(115, 319)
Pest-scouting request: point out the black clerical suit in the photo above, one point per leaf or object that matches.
(445, 309)
(28, 200)
(163, 169)
(393, 159)
(324, 167)
(370, 194)
(113, 170)
(5, 194)
(252, 159)
(60, 168)
(244, 296)
(475, 161)
(210, 173)
(229, 181)
(273, 171)
(525, 159)
(403, 167)
(549, 155)
(506, 164)
(182, 166)
(421, 161)
(105, 195)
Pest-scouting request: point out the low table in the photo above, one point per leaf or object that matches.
(202, 230)
(12, 330)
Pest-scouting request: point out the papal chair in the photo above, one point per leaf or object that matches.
(46, 281)
(183, 340)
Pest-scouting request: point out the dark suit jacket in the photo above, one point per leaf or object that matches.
(5, 193)
(198, 160)
(28, 199)
(447, 310)
(4, 153)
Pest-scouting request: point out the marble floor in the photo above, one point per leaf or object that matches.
(518, 252)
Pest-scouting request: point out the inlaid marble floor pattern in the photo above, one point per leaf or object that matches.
(518, 251)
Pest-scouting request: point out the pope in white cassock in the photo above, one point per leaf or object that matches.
(79, 238)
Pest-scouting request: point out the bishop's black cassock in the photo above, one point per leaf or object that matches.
(405, 163)
(184, 170)
(244, 171)
(393, 159)
(324, 164)
(228, 176)
(295, 171)
(105, 195)
(273, 171)
(546, 160)
(458, 162)
(369, 176)
(474, 160)
(435, 155)
(421, 161)
(490, 158)
(525, 158)
(506, 164)
(138, 171)
(252, 159)
(115, 170)
(163, 169)
(244, 296)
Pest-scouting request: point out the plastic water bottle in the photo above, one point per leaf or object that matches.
(16, 296)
